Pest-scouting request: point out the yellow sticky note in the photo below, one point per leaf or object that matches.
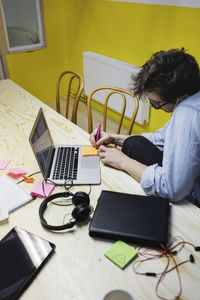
(89, 151)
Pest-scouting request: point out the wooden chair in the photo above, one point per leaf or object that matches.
(72, 81)
(113, 90)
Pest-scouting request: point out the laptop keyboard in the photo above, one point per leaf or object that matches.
(66, 163)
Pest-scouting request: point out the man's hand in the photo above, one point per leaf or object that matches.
(105, 138)
(112, 157)
(118, 160)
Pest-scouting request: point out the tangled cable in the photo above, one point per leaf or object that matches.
(169, 253)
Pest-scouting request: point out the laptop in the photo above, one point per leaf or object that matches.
(62, 164)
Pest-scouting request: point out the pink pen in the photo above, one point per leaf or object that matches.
(98, 132)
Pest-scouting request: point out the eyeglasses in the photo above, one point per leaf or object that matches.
(159, 105)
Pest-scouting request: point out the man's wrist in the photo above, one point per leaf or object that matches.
(118, 139)
(113, 138)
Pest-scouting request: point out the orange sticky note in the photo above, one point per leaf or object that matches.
(89, 151)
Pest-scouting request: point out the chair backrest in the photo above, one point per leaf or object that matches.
(113, 90)
(72, 79)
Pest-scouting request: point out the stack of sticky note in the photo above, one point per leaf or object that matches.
(42, 190)
(88, 151)
(16, 172)
(121, 254)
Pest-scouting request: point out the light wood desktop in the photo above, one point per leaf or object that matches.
(78, 270)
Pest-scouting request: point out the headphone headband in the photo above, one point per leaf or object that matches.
(80, 213)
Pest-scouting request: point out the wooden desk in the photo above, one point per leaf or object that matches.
(78, 270)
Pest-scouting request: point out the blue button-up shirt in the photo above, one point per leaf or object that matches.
(179, 139)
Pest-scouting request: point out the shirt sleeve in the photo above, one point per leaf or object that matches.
(158, 137)
(181, 158)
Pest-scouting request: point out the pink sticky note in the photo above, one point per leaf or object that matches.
(17, 171)
(4, 163)
(39, 191)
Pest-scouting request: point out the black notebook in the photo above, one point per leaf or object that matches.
(143, 220)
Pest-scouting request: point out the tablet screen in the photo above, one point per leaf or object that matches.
(22, 254)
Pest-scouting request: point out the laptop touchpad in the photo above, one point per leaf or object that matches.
(89, 162)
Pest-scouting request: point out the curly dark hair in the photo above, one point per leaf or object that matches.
(169, 74)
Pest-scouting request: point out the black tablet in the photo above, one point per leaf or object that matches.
(22, 255)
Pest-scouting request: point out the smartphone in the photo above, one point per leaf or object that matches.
(22, 255)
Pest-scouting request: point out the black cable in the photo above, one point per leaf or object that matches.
(29, 176)
(67, 188)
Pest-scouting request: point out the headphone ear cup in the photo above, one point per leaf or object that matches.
(81, 197)
(81, 212)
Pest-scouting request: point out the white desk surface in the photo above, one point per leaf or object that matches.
(78, 270)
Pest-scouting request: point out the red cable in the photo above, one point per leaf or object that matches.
(168, 253)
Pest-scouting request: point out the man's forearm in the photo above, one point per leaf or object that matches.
(134, 168)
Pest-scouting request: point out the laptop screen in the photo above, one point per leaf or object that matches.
(41, 143)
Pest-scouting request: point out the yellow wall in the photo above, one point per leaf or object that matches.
(37, 71)
(126, 31)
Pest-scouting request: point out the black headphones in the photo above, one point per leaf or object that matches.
(80, 213)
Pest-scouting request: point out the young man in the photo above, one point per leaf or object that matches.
(167, 162)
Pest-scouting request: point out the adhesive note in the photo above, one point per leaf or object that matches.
(121, 254)
(89, 151)
(17, 171)
(42, 190)
(4, 163)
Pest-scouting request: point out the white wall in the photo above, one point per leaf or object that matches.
(100, 70)
(186, 3)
